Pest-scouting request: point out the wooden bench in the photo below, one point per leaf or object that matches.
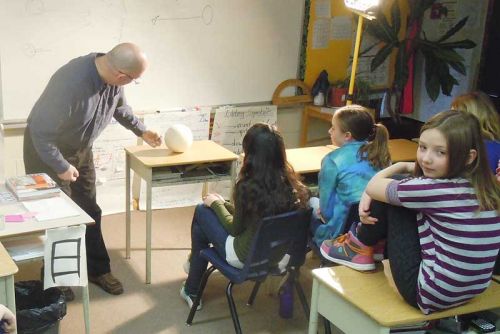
(365, 303)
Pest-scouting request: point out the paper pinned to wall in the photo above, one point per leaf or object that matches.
(230, 126)
(321, 33)
(341, 28)
(109, 162)
(197, 120)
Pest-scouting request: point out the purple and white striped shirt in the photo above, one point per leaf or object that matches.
(459, 243)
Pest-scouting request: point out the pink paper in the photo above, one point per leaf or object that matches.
(13, 218)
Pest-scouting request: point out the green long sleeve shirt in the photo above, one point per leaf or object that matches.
(235, 226)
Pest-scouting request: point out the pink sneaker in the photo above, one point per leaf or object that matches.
(349, 251)
(378, 251)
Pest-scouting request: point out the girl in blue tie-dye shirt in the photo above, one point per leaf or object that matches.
(345, 171)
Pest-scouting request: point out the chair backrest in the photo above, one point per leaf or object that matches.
(275, 237)
(65, 257)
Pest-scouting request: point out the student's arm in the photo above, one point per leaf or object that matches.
(377, 186)
(377, 189)
(327, 184)
(230, 223)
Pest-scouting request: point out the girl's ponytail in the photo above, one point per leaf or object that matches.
(376, 151)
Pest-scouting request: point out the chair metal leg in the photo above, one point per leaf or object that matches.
(255, 289)
(196, 302)
(232, 308)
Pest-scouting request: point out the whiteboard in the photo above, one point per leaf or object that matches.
(201, 52)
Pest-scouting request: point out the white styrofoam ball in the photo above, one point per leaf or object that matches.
(178, 138)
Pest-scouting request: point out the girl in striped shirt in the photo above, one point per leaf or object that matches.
(442, 251)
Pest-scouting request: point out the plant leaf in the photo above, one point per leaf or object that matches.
(418, 7)
(401, 68)
(454, 29)
(432, 84)
(381, 56)
(463, 44)
(447, 55)
(459, 67)
(396, 17)
(375, 29)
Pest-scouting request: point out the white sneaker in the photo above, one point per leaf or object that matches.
(186, 266)
(189, 300)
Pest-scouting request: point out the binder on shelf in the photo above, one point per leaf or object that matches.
(32, 186)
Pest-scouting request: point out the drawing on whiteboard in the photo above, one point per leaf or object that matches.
(34, 7)
(82, 16)
(30, 50)
(207, 15)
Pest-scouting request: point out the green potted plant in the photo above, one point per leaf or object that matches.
(440, 55)
(338, 92)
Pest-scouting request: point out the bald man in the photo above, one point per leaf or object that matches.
(79, 101)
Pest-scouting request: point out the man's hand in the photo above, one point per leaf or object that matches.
(71, 174)
(152, 138)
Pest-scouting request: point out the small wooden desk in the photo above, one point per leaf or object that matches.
(7, 270)
(403, 150)
(32, 226)
(400, 150)
(312, 111)
(307, 159)
(357, 302)
(150, 163)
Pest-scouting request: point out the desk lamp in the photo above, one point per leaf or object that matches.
(364, 8)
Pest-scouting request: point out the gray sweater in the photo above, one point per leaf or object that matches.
(74, 109)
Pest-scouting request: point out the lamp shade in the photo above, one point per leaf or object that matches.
(361, 5)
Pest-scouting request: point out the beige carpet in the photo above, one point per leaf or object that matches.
(157, 307)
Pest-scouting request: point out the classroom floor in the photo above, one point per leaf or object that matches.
(157, 308)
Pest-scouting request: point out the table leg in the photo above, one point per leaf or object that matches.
(313, 317)
(149, 215)
(304, 127)
(127, 206)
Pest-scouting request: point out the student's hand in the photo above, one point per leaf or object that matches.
(71, 174)
(210, 198)
(151, 138)
(364, 210)
(9, 325)
(405, 167)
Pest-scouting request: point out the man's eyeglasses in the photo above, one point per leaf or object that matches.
(135, 80)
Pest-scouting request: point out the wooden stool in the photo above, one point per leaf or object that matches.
(365, 303)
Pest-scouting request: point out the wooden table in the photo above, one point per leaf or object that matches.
(23, 230)
(357, 302)
(307, 159)
(152, 165)
(32, 226)
(312, 111)
(400, 150)
(7, 270)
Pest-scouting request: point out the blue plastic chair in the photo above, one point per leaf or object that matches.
(275, 236)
